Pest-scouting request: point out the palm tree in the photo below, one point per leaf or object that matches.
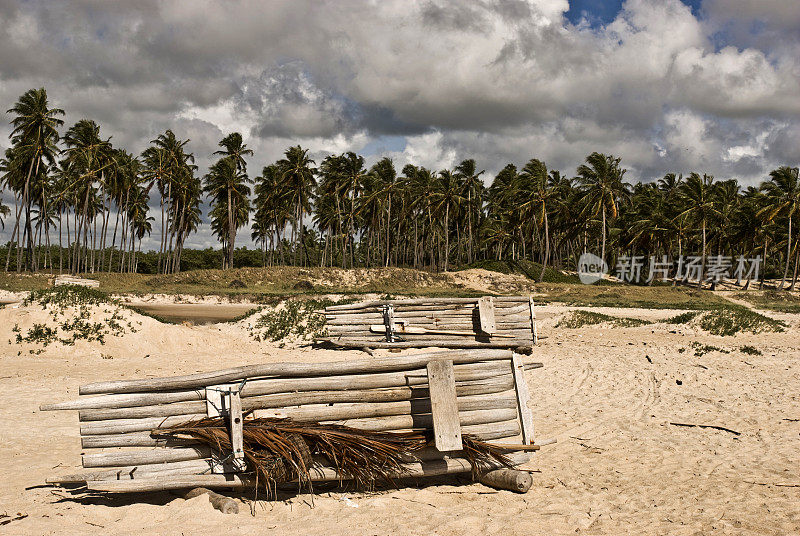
(783, 192)
(298, 174)
(34, 138)
(536, 197)
(698, 194)
(601, 181)
(227, 186)
(474, 191)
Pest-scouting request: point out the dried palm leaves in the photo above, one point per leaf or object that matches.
(280, 450)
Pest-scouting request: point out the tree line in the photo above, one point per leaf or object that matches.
(339, 212)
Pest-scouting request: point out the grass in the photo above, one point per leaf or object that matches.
(629, 296)
(729, 321)
(702, 349)
(735, 319)
(578, 319)
(772, 300)
(529, 269)
(683, 318)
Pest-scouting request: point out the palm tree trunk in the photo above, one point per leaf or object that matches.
(114, 239)
(603, 250)
(18, 211)
(546, 246)
(788, 253)
(703, 260)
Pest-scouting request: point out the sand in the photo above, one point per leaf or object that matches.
(607, 394)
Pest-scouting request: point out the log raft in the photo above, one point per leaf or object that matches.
(486, 322)
(488, 399)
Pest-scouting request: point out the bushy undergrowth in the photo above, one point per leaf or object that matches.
(303, 319)
(69, 307)
(577, 319)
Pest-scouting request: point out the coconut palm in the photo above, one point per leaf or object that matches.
(34, 137)
(698, 195)
(601, 181)
(227, 185)
(783, 193)
(298, 174)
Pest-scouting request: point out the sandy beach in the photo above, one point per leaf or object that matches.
(608, 395)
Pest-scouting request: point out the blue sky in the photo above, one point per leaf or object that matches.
(601, 12)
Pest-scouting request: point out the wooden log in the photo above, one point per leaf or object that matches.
(430, 343)
(419, 410)
(163, 410)
(508, 479)
(224, 504)
(145, 457)
(124, 425)
(188, 467)
(464, 372)
(505, 315)
(483, 427)
(231, 481)
(126, 400)
(193, 381)
(404, 422)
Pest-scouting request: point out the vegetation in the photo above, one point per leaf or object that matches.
(76, 184)
(736, 319)
(294, 318)
(70, 308)
(750, 350)
(577, 319)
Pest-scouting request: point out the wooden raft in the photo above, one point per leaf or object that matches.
(486, 322)
(481, 392)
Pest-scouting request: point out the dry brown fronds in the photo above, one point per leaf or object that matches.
(281, 450)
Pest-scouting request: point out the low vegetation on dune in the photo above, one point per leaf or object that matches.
(578, 319)
(771, 300)
(292, 319)
(74, 313)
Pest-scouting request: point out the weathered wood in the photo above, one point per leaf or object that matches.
(188, 467)
(318, 474)
(224, 504)
(123, 425)
(523, 396)
(486, 315)
(125, 400)
(406, 422)
(508, 479)
(534, 331)
(484, 427)
(464, 372)
(192, 381)
(444, 406)
(145, 457)
(407, 408)
(403, 329)
(162, 410)
(236, 423)
(430, 343)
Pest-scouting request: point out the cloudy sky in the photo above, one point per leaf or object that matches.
(699, 85)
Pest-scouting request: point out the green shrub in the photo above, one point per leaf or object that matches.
(750, 350)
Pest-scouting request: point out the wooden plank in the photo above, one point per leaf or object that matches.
(236, 430)
(534, 333)
(444, 406)
(523, 396)
(219, 403)
(486, 315)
